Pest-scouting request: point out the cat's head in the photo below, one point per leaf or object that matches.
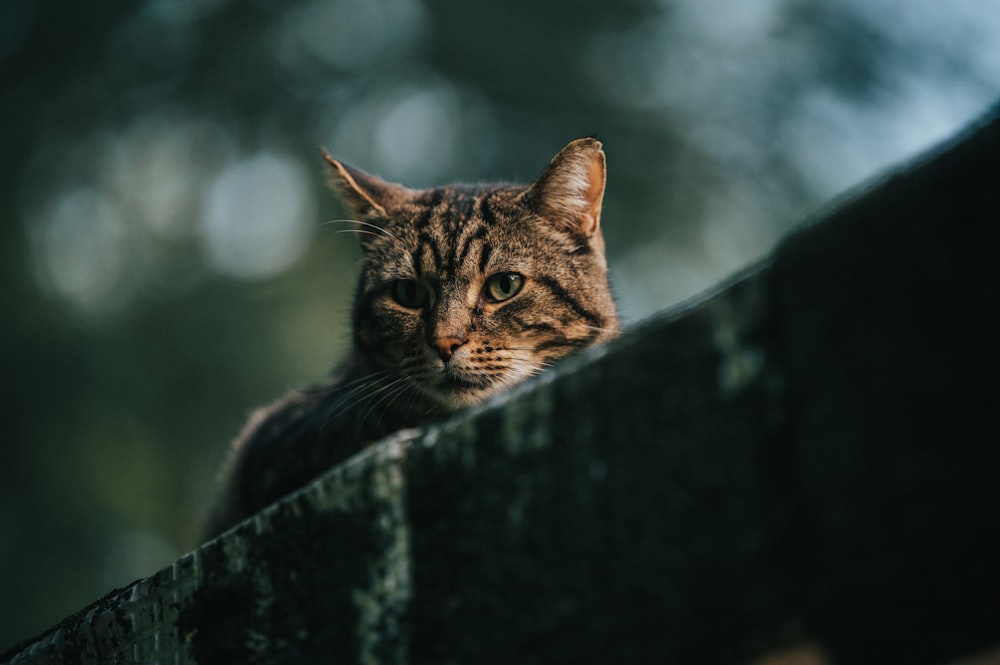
(465, 291)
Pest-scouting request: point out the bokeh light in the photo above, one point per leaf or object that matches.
(257, 218)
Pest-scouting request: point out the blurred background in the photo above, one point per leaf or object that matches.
(164, 262)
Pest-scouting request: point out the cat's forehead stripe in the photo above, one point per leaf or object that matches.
(473, 229)
(427, 214)
(484, 256)
(462, 209)
(447, 229)
(479, 234)
(486, 212)
(429, 245)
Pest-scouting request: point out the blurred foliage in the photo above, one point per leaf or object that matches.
(164, 262)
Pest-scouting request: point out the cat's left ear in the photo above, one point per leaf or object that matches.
(570, 190)
(365, 193)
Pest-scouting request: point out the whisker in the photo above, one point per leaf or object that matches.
(388, 398)
(367, 378)
(599, 329)
(376, 227)
(370, 392)
(359, 232)
(389, 392)
(357, 391)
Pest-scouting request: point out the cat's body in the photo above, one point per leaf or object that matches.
(464, 292)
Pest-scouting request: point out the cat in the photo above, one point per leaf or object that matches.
(464, 292)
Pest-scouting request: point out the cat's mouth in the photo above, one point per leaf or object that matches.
(456, 390)
(451, 382)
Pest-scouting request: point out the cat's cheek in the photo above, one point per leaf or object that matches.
(386, 336)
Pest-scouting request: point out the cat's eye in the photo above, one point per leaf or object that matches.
(409, 293)
(503, 286)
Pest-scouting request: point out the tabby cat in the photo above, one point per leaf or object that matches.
(464, 291)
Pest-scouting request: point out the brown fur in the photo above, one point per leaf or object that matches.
(464, 292)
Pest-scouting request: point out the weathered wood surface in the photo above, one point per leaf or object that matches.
(808, 455)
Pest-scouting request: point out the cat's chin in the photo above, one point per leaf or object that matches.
(454, 394)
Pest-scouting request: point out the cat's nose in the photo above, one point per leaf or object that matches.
(446, 346)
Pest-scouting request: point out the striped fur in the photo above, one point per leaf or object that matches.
(430, 335)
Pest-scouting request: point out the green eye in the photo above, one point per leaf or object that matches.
(409, 293)
(503, 286)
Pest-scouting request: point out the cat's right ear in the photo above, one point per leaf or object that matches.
(366, 194)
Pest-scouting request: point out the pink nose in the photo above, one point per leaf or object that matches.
(446, 346)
